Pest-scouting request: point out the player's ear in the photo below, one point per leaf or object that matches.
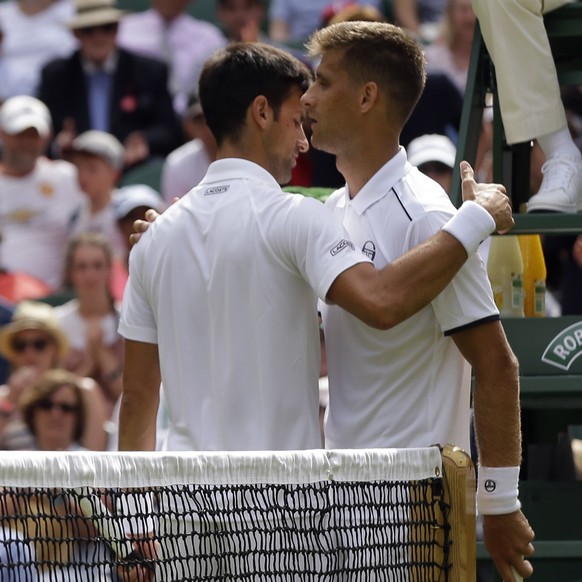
(260, 111)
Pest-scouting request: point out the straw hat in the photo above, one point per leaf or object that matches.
(95, 13)
(33, 315)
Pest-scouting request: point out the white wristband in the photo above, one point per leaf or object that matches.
(498, 490)
(471, 225)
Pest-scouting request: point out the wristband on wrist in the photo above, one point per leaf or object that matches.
(471, 225)
(498, 490)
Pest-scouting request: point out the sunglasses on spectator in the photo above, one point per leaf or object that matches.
(105, 28)
(62, 406)
(39, 345)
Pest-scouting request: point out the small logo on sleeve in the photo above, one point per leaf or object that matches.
(215, 190)
(343, 244)
(369, 249)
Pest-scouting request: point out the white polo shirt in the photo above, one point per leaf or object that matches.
(408, 386)
(224, 283)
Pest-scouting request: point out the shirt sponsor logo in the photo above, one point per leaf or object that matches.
(564, 348)
(369, 249)
(216, 190)
(343, 244)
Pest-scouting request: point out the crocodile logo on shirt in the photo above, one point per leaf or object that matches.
(343, 244)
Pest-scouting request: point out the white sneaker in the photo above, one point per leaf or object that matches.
(561, 189)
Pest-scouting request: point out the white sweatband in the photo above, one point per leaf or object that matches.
(138, 513)
(498, 490)
(470, 225)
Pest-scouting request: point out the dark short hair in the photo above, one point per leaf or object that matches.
(46, 385)
(379, 52)
(234, 76)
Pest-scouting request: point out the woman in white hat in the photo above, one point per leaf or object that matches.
(33, 343)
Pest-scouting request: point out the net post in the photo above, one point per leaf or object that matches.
(459, 492)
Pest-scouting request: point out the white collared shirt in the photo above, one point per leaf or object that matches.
(226, 281)
(408, 386)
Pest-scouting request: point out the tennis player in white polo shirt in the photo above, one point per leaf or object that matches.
(410, 386)
(225, 282)
(221, 299)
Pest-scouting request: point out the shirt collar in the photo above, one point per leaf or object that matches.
(239, 169)
(109, 66)
(380, 184)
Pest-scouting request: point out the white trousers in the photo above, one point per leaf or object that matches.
(529, 93)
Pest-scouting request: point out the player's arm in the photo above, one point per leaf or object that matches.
(387, 297)
(384, 298)
(140, 398)
(507, 536)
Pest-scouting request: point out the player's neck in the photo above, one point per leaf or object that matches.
(359, 168)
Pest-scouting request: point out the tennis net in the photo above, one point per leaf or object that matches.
(357, 515)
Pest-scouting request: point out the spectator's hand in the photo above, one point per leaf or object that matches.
(508, 539)
(492, 197)
(94, 331)
(65, 137)
(148, 549)
(136, 148)
(19, 381)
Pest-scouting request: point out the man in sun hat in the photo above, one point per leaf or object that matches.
(103, 87)
(39, 198)
(33, 315)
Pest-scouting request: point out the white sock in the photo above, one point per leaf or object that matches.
(559, 144)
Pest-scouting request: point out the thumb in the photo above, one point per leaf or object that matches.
(467, 180)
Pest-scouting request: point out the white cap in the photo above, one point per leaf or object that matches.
(102, 144)
(133, 196)
(20, 113)
(432, 148)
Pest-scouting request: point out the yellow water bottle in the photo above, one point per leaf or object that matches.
(505, 270)
(534, 275)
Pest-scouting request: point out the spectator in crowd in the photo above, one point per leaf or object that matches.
(131, 205)
(450, 53)
(434, 155)
(39, 198)
(294, 20)
(33, 34)
(421, 17)
(104, 87)
(34, 343)
(98, 157)
(90, 319)
(529, 96)
(241, 20)
(54, 411)
(186, 165)
(167, 32)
